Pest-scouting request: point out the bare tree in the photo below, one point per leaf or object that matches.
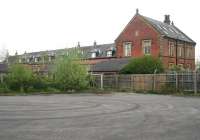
(3, 53)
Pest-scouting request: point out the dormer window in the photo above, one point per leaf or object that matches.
(28, 60)
(109, 53)
(50, 59)
(20, 60)
(94, 54)
(36, 59)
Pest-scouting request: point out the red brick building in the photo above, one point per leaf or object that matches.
(146, 36)
(142, 36)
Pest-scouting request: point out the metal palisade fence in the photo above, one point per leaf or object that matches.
(168, 82)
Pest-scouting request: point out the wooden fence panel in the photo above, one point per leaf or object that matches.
(124, 82)
(149, 82)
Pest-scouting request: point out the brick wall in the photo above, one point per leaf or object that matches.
(136, 31)
(139, 29)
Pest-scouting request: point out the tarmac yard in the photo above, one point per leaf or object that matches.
(99, 117)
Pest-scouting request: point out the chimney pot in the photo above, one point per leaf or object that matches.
(16, 53)
(95, 43)
(137, 11)
(78, 45)
(167, 19)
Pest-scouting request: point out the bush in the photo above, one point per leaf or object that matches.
(143, 65)
(19, 78)
(70, 74)
(3, 88)
(168, 89)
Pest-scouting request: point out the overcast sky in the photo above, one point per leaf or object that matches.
(35, 25)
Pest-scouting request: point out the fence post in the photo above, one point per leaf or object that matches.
(1, 77)
(101, 81)
(154, 79)
(132, 82)
(116, 81)
(195, 82)
(176, 81)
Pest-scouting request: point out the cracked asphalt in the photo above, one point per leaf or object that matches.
(99, 117)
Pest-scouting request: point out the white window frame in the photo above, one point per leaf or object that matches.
(171, 65)
(49, 57)
(36, 59)
(180, 50)
(146, 45)
(93, 55)
(171, 48)
(109, 53)
(127, 48)
(181, 66)
(20, 60)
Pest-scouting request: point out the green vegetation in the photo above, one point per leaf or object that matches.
(67, 75)
(70, 74)
(19, 78)
(198, 65)
(143, 65)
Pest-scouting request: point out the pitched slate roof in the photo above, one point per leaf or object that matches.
(86, 50)
(3, 68)
(167, 30)
(111, 65)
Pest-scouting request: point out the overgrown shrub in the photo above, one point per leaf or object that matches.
(19, 78)
(143, 65)
(70, 74)
(168, 89)
(3, 88)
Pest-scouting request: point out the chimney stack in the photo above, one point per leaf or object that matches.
(167, 19)
(78, 45)
(16, 53)
(137, 11)
(95, 44)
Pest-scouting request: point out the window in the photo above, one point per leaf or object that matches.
(180, 50)
(171, 49)
(188, 66)
(189, 52)
(109, 53)
(94, 54)
(36, 59)
(180, 66)
(171, 65)
(20, 60)
(146, 44)
(127, 48)
(49, 58)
